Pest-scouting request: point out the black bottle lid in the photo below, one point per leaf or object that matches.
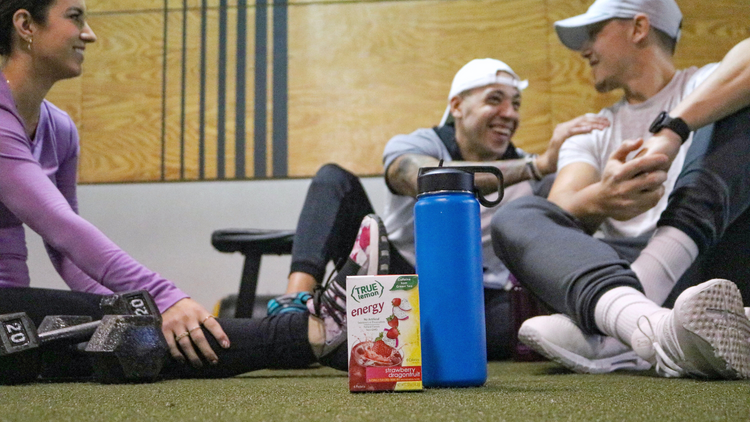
(439, 179)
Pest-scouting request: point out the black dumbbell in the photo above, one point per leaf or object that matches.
(20, 341)
(73, 329)
(127, 348)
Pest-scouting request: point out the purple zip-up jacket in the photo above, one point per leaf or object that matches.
(38, 188)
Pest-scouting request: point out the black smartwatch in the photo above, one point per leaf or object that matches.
(675, 124)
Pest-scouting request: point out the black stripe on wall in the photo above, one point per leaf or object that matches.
(222, 94)
(164, 92)
(240, 89)
(183, 84)
(202, 99)
(261, 80)
(280, 94)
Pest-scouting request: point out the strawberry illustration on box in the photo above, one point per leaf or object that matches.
(385, 352)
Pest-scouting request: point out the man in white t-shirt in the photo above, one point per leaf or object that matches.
(575, 250)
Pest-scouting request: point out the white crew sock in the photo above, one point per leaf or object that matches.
(669, 253)
(618, 310)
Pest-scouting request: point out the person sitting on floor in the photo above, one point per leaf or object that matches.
(477, 128)
(656, 204)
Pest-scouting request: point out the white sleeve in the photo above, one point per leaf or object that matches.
(578, 149)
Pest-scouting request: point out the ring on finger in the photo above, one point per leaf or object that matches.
(181, 336)
(194, 328)
(203, 321)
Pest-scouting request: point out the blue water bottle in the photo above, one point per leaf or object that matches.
(449, 265)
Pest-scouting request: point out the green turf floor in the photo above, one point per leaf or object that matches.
(514, 392)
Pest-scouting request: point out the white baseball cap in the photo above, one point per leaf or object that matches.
(664, 15)
(478, 73)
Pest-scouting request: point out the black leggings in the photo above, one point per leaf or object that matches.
(272, 342)
(334, 207)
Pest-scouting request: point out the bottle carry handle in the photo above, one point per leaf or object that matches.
(474, 170)
(487, 169)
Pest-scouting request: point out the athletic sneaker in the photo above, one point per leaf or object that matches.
(370, 254)
(370, 249)
(329, 304)
(704, 336)
(290, 302)
(559, 339)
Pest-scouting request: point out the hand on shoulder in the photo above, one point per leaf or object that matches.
(547, 162)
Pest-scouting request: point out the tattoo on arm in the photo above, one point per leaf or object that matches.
(514, 171)
(401, 175)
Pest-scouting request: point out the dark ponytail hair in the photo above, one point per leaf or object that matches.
(37, 8)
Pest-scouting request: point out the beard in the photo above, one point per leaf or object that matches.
(610, 81)
(605, 86)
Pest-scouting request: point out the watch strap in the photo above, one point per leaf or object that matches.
(675, 124)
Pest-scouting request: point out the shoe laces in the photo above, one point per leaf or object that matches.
(326, 301)
(665, 366)
(291, 302)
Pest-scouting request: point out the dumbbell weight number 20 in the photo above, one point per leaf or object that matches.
(16, 332)
(138, 306)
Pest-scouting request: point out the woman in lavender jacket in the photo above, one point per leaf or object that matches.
(42, 42)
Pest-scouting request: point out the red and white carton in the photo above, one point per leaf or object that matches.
(385, 352)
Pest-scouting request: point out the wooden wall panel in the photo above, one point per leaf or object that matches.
(711, 29)
(363, 72)
(121, 122)
(131, 6)
(100, 6)
(67, 95)
(118, 103)
(358, 73)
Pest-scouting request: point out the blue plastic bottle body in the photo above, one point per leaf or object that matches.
(451, 296)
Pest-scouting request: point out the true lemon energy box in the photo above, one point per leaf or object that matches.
(385, 353)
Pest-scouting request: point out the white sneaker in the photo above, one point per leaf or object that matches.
(370, 250)
(706, 335)
(559, 339)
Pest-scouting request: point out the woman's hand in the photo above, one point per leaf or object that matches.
(182, 327)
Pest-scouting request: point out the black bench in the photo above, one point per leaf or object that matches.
(253, 244)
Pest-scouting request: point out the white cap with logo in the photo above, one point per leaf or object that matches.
(478, 73)
(664, 15)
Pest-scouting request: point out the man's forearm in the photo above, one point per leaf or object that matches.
(401, 175)
(583, 205)
(725, 91)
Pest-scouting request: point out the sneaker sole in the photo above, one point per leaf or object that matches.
(628, 361)
(381, 255)
(714, 321)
